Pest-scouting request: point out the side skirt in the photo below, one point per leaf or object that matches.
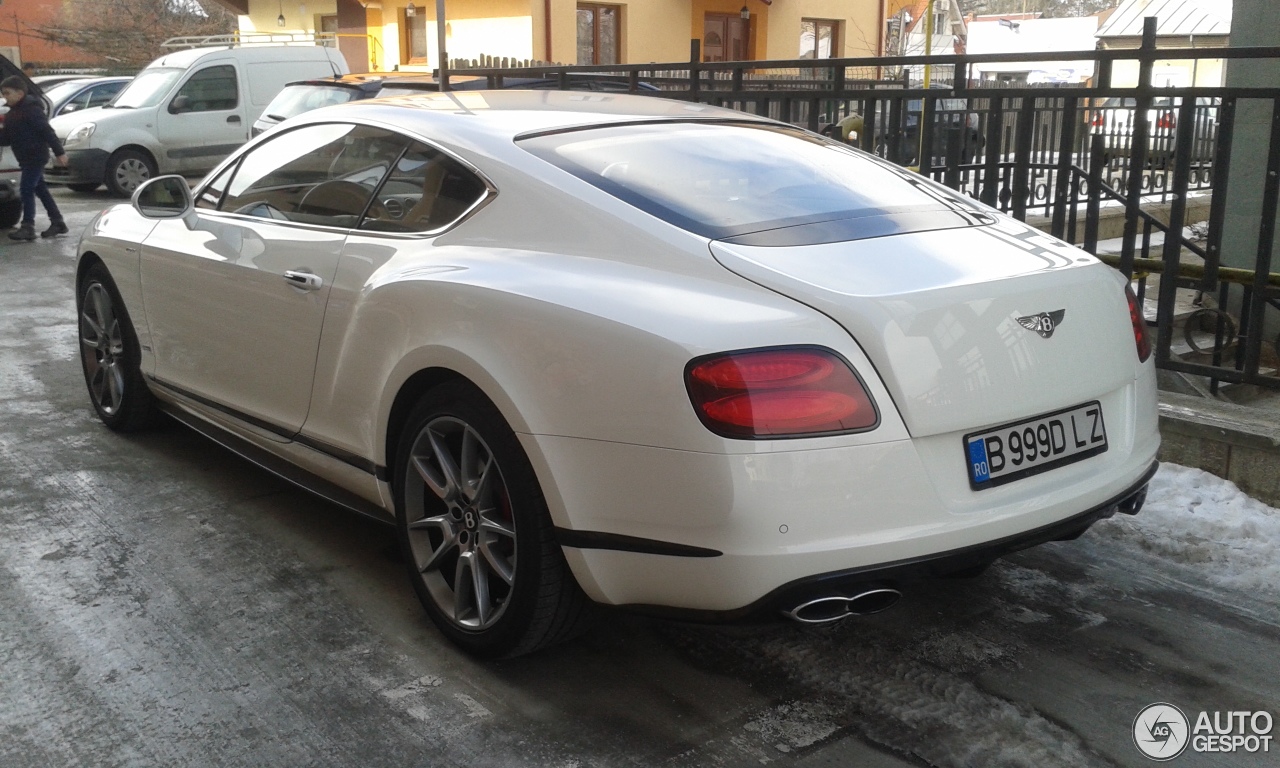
(278, 466)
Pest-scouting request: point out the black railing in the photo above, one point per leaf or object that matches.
(1156, 159)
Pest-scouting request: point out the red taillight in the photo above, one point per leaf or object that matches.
(1139, 326)
(778, 392)
(1166, 121)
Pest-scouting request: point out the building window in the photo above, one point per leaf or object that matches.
(329, 24)
(415, 38)
(819, 39)
(598, 33)
(725, 37)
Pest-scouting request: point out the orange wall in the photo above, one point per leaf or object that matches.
(18, 21)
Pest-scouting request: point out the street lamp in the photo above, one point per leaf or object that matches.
(410, 9)
(745, 13)
(280, 18)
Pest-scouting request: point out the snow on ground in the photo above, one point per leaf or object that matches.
(1199, 520)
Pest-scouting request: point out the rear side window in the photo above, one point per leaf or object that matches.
(427, 190)
(731, 180)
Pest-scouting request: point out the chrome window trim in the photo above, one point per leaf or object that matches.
(490, 189)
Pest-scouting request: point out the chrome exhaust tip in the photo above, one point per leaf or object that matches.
(829, 608)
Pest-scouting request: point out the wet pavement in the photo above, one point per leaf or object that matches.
(166, 603)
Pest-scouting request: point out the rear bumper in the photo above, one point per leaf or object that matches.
(718, 536)
(83, 166)
(941, 565)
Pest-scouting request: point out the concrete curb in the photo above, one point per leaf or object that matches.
(1235, 442)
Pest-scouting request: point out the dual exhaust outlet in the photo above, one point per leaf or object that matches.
(829, 608)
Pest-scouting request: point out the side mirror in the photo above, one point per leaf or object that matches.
(164, 197)
(180, 104)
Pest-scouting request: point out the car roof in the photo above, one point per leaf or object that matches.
(96, 80)
(499, 116)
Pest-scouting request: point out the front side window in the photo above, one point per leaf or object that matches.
(317, 174)
(208, 90)
(101, 94)
(730, 180)
(598, 33)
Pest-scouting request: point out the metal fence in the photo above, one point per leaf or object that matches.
(1068, 154)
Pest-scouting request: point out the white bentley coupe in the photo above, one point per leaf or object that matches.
(594, 348)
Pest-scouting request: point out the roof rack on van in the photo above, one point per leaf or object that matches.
(239, 39)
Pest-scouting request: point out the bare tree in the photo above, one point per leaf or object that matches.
(1050, 8)
(129, 33)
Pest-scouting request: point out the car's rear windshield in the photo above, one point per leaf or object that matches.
(734, 181)
(304, 97)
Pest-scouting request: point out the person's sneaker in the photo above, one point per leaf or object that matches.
(55, 229)
(24, 232)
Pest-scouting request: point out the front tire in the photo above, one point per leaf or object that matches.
(110, 355)
(127, 169)
(475, 530)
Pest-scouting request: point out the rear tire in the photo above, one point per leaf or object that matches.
(110, 355)
(475, 531)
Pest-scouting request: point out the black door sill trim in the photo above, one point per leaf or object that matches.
(346, 457)
(279, 467)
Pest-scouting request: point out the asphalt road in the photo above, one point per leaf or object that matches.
(164, 603)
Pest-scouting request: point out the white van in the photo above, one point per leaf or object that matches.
(182, 114)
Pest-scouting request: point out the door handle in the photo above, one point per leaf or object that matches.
(233, 119)
(304, 280)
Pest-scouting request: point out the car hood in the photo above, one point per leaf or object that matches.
(944, 316)
(63, 125)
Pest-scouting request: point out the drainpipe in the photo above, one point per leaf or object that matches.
(546, 15)
(440, 39)
(880, 51)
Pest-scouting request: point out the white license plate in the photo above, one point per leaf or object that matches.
(1004, 454)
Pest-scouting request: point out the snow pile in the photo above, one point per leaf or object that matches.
(1206, 523)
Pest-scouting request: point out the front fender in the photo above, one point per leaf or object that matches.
(114, 237)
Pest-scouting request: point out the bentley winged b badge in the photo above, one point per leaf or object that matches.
(1043, 323)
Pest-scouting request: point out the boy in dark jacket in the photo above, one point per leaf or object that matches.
(26, 130)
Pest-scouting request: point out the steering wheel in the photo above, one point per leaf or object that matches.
(336, 197)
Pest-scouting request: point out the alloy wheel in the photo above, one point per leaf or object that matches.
(461, 532)
(103, 349)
